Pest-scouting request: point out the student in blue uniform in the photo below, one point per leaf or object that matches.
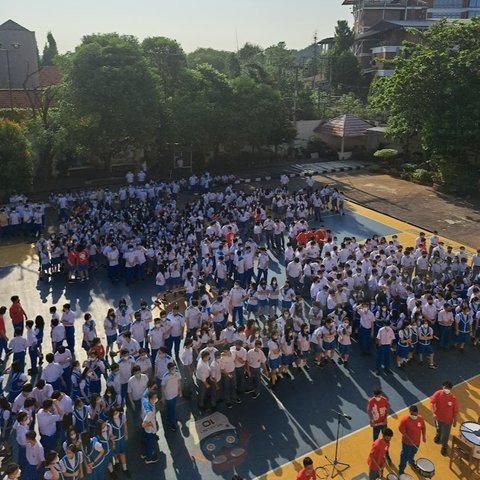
(463, 327)
(93, 457)
(118, 421)
(72, 463)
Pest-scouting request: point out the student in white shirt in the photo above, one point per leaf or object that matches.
(47, 418)
(171, 390)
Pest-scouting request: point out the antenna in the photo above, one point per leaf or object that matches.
(236, 38)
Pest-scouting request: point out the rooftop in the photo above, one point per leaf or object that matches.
(11, 25)
(345, 126)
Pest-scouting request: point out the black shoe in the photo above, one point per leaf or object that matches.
(154, 459)
(173, 428)
(237, 400)
(444, 451)
(436, 439)
(378, 373)
(340, 361)
(249, 391)
(229, 405)
(256, 395)
(345, 365)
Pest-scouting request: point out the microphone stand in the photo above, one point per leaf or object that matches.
(337, 467)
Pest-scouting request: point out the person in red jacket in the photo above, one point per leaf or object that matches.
(17, 313)
(378, 454)
(413, 430)
(308, 471)
(445, 410)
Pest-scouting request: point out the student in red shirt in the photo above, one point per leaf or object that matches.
(17, 313)
(308, 471)
(302, 238)
(413, 430)
(83, 262)
(377, 410)
(378, 454)
(71, 263)
(320, 236)
(445, 410)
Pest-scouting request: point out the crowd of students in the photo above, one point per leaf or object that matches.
(240, 326)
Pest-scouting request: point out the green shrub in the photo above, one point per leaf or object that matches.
(375, 168)
(409, 167)
(420, 175)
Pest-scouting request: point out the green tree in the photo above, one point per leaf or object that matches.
(16, 173)
(109, 99)
(168, 60)
(432, 95)
(344, 69)
(280, 61)
(344, 37)
(201, 110)
(218, 59)
(260, 116)
(50, 50)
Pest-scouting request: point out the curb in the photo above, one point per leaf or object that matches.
(299, 174)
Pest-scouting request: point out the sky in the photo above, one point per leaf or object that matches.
(217, 24)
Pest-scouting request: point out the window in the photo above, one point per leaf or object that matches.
(448, 3)
(445, 14)
(474, 4)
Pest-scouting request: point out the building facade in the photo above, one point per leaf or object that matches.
(380, 26)
(18, 57)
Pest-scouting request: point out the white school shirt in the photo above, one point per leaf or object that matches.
(187, 356)
(52, 372)
(18, 344)
(385, 336)
(136, 386)
(255, 358)
(155, 336)
(170, 385)
(47, 422)
(68, 319)
(35, 454)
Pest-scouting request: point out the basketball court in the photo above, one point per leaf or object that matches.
(274, 432)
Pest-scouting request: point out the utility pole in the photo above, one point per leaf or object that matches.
(315, 65)
(295, 98)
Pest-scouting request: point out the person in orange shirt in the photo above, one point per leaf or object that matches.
(445, 410)
(378, 452)
(17, 313)
(413, 430)
(83, 258)
(308, 470)
(302, 237)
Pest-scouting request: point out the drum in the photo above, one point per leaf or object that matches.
(470, 432)
(391, 476)
(405, 476)
(425, 468)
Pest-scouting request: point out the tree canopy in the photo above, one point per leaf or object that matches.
(433, 95)
(16, 173)
(109, 98)
(50, 50)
